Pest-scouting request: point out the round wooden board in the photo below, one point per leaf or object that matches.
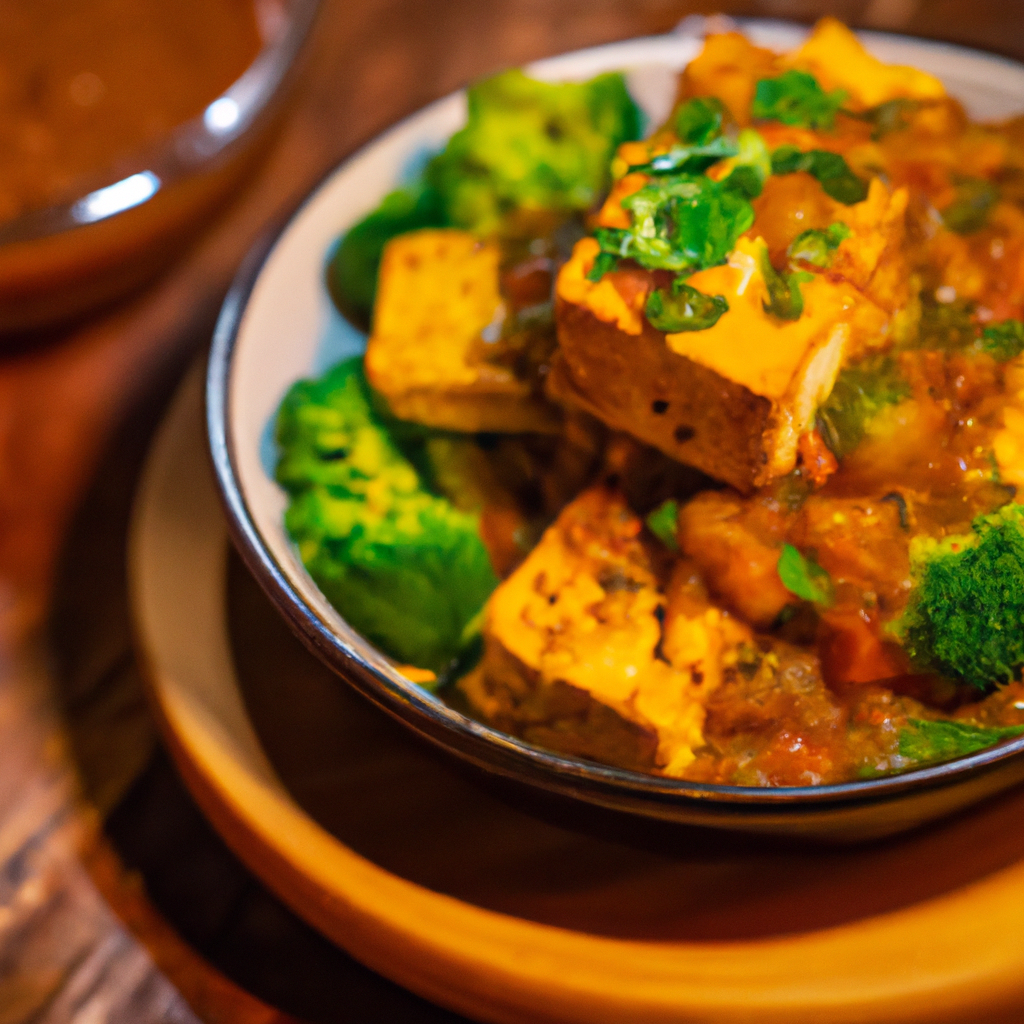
(955, 956)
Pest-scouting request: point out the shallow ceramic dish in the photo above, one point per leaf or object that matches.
(278, 325)
(525, 922)
(62, 261)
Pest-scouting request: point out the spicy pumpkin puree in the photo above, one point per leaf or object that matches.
(85, 86)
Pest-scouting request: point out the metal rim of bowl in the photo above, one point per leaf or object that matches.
(189, 147)
(481, 745)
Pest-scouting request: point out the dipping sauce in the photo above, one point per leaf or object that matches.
(86, 84)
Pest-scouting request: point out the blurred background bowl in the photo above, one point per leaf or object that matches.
(123, 220)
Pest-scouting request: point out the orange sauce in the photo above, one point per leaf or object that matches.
(87, 84)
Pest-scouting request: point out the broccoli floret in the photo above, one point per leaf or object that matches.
(528, 148)
(403, 566)
(532, 146)
(965, 613)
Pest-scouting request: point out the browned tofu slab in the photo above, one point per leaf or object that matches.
(636, 383)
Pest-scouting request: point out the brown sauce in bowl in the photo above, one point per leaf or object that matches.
(87, 84)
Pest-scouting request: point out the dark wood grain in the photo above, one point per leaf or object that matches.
(79, 939)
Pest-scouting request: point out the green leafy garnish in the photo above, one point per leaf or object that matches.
(860, 392)
(785, 300)
(803, 577)
(604, 263)
(831, 170)
(1004, 340)
(924, 741)
(700, 120)
(796, 98)
(751, 166)
(816, 245)
(684, 308)
(662, 522)
(403, 566)
(964, 615)
(969, 211)
(693, 159)
(682, 223)
(352, 272)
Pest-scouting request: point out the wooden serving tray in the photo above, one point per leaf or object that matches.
(506, 913)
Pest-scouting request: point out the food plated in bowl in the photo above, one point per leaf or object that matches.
(714, 486)
(122, 134)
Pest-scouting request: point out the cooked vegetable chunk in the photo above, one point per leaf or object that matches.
(404, 567)
(965, 613)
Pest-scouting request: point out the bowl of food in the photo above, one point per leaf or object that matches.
(123, 135)
(644, 427)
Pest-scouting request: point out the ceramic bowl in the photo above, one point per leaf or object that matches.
(65, 260)
(278, 325)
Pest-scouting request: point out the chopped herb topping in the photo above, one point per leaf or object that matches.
(796, 98)
(683, 308)
(700, 120)
(689, 159)
(803, 577)
(682, 223)
(750, 167)
(922, 741)
(969, 211)
(662, 523)
(604, 263)
(831, 170)
(817, 245)
(860, 392)
(1004, 340)
(784, 298)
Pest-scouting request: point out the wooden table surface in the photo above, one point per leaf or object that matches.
(80, 939)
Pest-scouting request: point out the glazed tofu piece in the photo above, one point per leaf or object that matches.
(734, 399)
(438, 304)
(587, 626)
